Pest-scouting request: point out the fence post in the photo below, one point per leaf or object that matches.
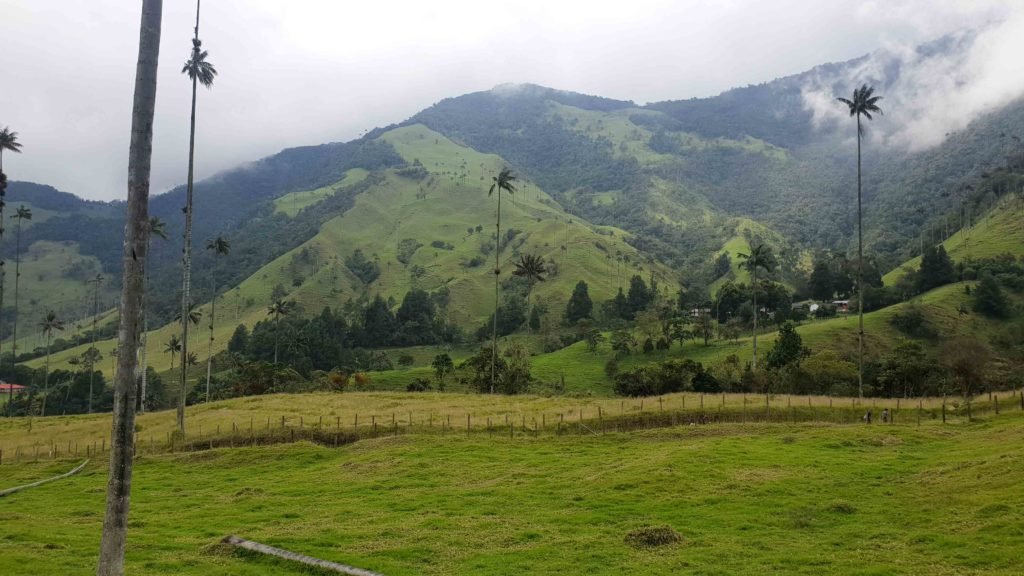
(920, 404)
(995, 401)
(943, 409)
(661, 404)
(467, 421)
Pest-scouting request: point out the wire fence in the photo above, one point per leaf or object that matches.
(582, 421)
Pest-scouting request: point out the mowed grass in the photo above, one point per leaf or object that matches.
(1000, 231)
(758, 499)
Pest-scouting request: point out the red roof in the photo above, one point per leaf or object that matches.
(5, 387)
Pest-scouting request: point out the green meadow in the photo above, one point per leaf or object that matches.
(931, 499)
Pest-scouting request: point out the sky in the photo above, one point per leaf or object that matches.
(311, 71)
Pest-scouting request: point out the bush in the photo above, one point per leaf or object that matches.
(418, 385)
(912, 322)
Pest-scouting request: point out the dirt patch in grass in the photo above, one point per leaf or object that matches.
(653, 537)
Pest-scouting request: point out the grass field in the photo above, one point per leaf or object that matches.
(755, 499)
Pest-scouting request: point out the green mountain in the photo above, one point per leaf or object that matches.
(610, 189)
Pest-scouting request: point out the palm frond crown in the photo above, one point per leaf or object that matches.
(198, 68)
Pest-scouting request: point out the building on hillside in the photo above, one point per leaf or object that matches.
(7, 388)
(842, 306)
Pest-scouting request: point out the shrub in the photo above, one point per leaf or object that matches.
(912, 322)
(406, 360)
(418, 385)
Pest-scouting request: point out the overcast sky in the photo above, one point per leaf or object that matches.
(312, 71)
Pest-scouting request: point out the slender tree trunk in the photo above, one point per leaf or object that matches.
(186, 278)
(143, 377)
(46, 375)
(95, 313)
(860, 275)
(3, 282)
(754, 276)
(209, 351)
(277, 336)
(17, 277)
(497, 275)
(122, 435)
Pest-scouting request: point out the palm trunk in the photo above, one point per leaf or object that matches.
(754, 282)
(497, 274)
(209, 351)
(860, 276)
(95, 313)
(3, 281)
(46, 376)
(277, 337)
(122, 436)
(186, 279)
(17, 276)
(144, 341)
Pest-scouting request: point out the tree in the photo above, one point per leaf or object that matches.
(580, 305)
(90, 358)
(760, 257)
(639, 296)
(821, 283)
(173, 347)
(905, 370)
(239, 342)
(442, 366)
(200, 72)
(96, 281)
(49, 324)
(989, 298)
(9, 142)
(788, 349)
(276, 311)
(157, 228)
(936, 269)
(220, 247)
(864, 103)
(122, 445)
(21, 214)
(623, 342)
(504, 181)
(966, 359)
(532, 268)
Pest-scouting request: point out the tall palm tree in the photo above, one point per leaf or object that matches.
(157, 228)
(200, 72)
(531, 267)
(760, 257)
(173, 347)
(90, 358)
(9, 142)
(49, 324)
(220, 247)
(140, 154)
(96, 281)
(277, 310)
(504, 181)
(21, 214)
(864, 104)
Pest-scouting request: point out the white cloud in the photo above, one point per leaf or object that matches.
(927, 96)
(310, 71)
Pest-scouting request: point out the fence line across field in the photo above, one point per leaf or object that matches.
(641, 413)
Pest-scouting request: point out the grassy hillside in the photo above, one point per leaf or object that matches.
(438, 207)
(1000, 231)
(786, 499)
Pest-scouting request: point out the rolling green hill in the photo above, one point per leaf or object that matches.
(1000, 231)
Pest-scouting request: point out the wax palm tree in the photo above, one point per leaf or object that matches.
(20, 215)
(864, 103)
(9, 142)
(220, 247)
(504, 181)
(140, 155)
(90, 358)
(276, 311)
(96, 282)
(200, 72)
(49, 324)
(532, 268)
(157, 228)
(760, 257)
(173, 347)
